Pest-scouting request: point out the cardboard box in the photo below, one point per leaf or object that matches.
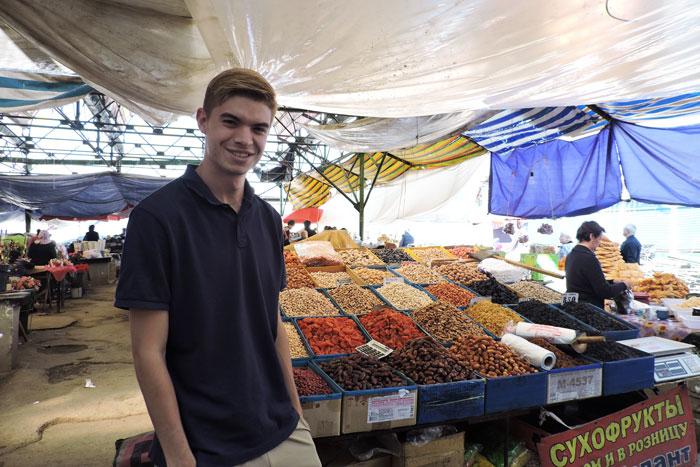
(323, 416)
(447, 451)
(356, 408)
(349, 461)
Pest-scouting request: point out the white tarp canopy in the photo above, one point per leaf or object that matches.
(394, 58)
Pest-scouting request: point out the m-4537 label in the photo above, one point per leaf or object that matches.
(572, 385)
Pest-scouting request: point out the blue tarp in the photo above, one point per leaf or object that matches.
(555, 179)
(661, 165)
(78, 196)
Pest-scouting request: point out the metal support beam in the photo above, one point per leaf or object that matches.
(360, 206)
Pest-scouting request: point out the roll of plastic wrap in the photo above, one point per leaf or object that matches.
(553, 334)
(536, 355)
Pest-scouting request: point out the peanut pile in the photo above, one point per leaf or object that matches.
(419, 274)
(445, 322)
(450, 293)
(462, 273)
(403, 296)
(529, 289)
(329, 280)
(359, 257)
(492, 316)
(372, 276)
(296, 346)
(354, 299)
(306, 302)
(426, 362)
(489, 357)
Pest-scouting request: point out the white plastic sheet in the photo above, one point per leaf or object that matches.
(394, 58)
(386, 134)
(399, 58)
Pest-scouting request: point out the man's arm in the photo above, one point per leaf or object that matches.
(600, 286)
(149, 334)
(282, 346)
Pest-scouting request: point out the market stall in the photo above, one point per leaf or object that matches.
(406, 338)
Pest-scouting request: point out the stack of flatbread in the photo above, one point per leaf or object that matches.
(614, 267)
(663, 285)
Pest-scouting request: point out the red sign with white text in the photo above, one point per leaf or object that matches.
(659, 432)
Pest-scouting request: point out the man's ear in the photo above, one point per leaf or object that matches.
(202, 120)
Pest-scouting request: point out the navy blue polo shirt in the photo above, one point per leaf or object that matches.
(218, 273)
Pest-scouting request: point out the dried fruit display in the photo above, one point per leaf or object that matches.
(541, 313)
(358, 372)
(309, 383)
(426, 362)
(451, 293)
(445, 322)
(497, 291)
(462, 251)
(488, 357)
(397, 255)
(298, 276)
(390, 327)
(612, 351)
(564, 360)
(329, 336)
(492, 316)
(602, 321)
(306, 302)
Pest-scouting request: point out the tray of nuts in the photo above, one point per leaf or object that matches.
(355, 300)
(404, 296)
(511, 382)
(357, 257)
(416, 273)
(426, 254)
(447, 390)
(535, 291)
(306, 302)
(374, 275)
(455, 294)
(297, 347)
(461, 273)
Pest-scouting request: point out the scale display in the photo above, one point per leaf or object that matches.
(672, 367)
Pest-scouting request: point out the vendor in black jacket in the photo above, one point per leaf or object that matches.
(583, 272)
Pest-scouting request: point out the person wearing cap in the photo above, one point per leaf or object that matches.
(630, 249)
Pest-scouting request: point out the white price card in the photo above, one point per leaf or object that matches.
(374, 349)
(479, 299)
(343, 281)
(395, 407)
(573, 385)
(569, 297)
(389, 280)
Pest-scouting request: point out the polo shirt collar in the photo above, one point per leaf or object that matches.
(196, 184)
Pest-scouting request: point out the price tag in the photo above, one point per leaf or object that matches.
(569, 297)
(343, 281)
(374, 349)
(479, 299)
(395, 407)
(389, 280)
(572, 385)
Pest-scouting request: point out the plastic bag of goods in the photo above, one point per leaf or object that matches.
(316, 254)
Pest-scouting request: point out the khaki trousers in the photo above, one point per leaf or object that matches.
(296, 451)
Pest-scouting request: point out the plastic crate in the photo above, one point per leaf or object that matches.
(515, 392)
(322, 411)
(631, 332)
(451, 401)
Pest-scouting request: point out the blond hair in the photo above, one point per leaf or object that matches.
(239, 82)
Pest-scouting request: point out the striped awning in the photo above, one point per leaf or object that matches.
(31, 91)
(513, 129)
(312, 189)
(651, 109)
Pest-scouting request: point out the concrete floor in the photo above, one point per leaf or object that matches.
(47, 415)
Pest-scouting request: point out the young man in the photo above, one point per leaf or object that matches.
(201, 272)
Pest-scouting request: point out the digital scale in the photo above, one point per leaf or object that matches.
(673, 360)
